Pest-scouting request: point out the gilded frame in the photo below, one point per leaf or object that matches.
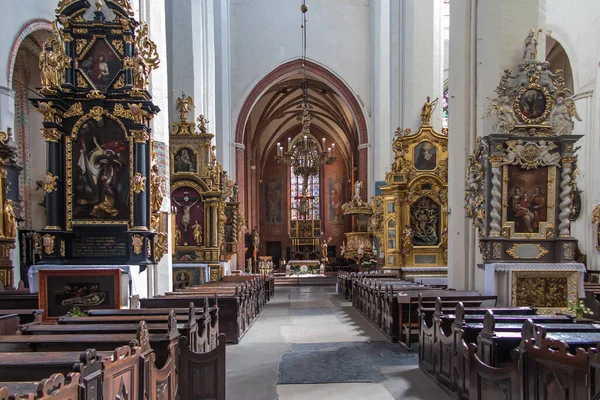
(548, 106)
(69, 139)
(546, 228)
(572, 287)
(84, 52)
(44, 274)
(175, 150)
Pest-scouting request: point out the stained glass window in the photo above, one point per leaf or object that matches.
(311, 201)
(445, 109)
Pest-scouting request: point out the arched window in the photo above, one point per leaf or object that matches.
(309, 200)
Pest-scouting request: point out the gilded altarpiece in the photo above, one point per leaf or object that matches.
(203, 198)
(411, 214)
(97, 115)
(520, 186)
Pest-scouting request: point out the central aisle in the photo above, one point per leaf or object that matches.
(309, 343)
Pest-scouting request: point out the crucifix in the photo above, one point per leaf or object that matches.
(186, 207)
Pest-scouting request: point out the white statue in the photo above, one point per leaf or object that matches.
(546, 77)
(530, 46)
(357, 187)
(521, 78)
(544, 153)
(562, 115)
(501, 107)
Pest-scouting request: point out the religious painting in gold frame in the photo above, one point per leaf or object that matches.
(99, 63)
(90, 151)
(528, 201)
(184, 160)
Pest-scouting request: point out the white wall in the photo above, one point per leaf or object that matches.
(15, 15)
(575, 29)
(267, 33)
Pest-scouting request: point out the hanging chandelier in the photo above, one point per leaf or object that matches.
(304, 155)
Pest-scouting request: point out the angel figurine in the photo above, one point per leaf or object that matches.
(184, 105)
(505, 115)
(562, 115)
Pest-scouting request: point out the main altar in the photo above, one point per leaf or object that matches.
(519, 189)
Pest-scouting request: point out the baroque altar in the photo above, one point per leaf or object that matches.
(97, 115)
(203, 198)
(411, 214)
(519, 188)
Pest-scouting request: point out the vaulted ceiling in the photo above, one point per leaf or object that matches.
(278, 115)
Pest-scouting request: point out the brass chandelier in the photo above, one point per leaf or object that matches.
(304, 156)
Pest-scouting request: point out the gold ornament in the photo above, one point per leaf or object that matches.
(49, 185)
(51, 134)
(48, 243)
(139, 183)
(137, 242)
(145, 58)
(46, 110)
(74, 111)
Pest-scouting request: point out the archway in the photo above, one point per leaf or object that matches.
(271, 115)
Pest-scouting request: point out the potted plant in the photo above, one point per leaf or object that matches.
(579, 309)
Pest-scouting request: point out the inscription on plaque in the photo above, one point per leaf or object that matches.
(100, 246)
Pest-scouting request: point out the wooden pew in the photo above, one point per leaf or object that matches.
(26, 316)
(131, 372)
(460, 357)
(408, 307)
(230, 313)
(9, 324)
(211, 325)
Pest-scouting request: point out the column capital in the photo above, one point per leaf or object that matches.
(240, 146)
(364, 146)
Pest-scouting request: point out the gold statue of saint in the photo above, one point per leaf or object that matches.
(156, 192)
(177, 235)
(141, 72)
(197, 232)
(10, 220)
(427, 110)
(184, 105)
(407, 242)
(51, 65)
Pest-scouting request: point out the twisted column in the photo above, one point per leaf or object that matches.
(495, 212)
(564, 223)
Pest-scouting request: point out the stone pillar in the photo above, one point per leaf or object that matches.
(224, 126)
(153, 13)
(385, 80)
(7, 108)
(191, 57)
(421, 60)
(485, 39)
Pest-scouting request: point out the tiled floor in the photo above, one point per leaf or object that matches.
(309, 343)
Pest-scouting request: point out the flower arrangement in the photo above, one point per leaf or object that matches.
(579, 309)
(369, 263)
(76, 312)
